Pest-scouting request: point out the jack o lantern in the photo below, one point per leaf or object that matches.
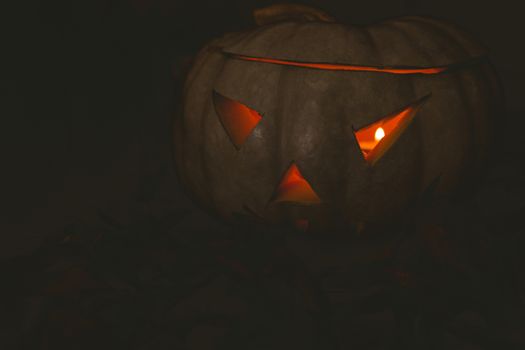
(318, 124)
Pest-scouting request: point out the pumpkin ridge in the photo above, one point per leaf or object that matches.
(478, 136)
(279, 121)
(293, 33)
(362, 34)
(496, 96)
(206, 122)
(409, 36)
(452, 34)
(421, 162)
(470, 152)
(200, 62)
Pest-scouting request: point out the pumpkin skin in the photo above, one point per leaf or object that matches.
(310, 115)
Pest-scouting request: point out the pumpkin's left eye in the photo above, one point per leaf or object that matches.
(237, 119)
(376, 138)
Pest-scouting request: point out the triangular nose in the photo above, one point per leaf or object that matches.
(294, 188)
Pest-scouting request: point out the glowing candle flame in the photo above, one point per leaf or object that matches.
(380, 133)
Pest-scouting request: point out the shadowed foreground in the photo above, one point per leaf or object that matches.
(448, 278)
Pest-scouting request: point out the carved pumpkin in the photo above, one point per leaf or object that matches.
(310, 122)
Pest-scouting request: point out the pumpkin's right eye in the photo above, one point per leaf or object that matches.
(376, 138)
(237, 119)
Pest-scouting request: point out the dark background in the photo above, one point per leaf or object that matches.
(89, 93)
(88, 261)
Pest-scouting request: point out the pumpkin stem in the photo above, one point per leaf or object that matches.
(283, 12)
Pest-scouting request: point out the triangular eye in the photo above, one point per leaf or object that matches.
(237, 119)
(375, 139)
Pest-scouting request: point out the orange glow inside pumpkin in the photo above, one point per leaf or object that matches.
(294, 188)
(375, 139)
(238, 120)
(344, 67)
